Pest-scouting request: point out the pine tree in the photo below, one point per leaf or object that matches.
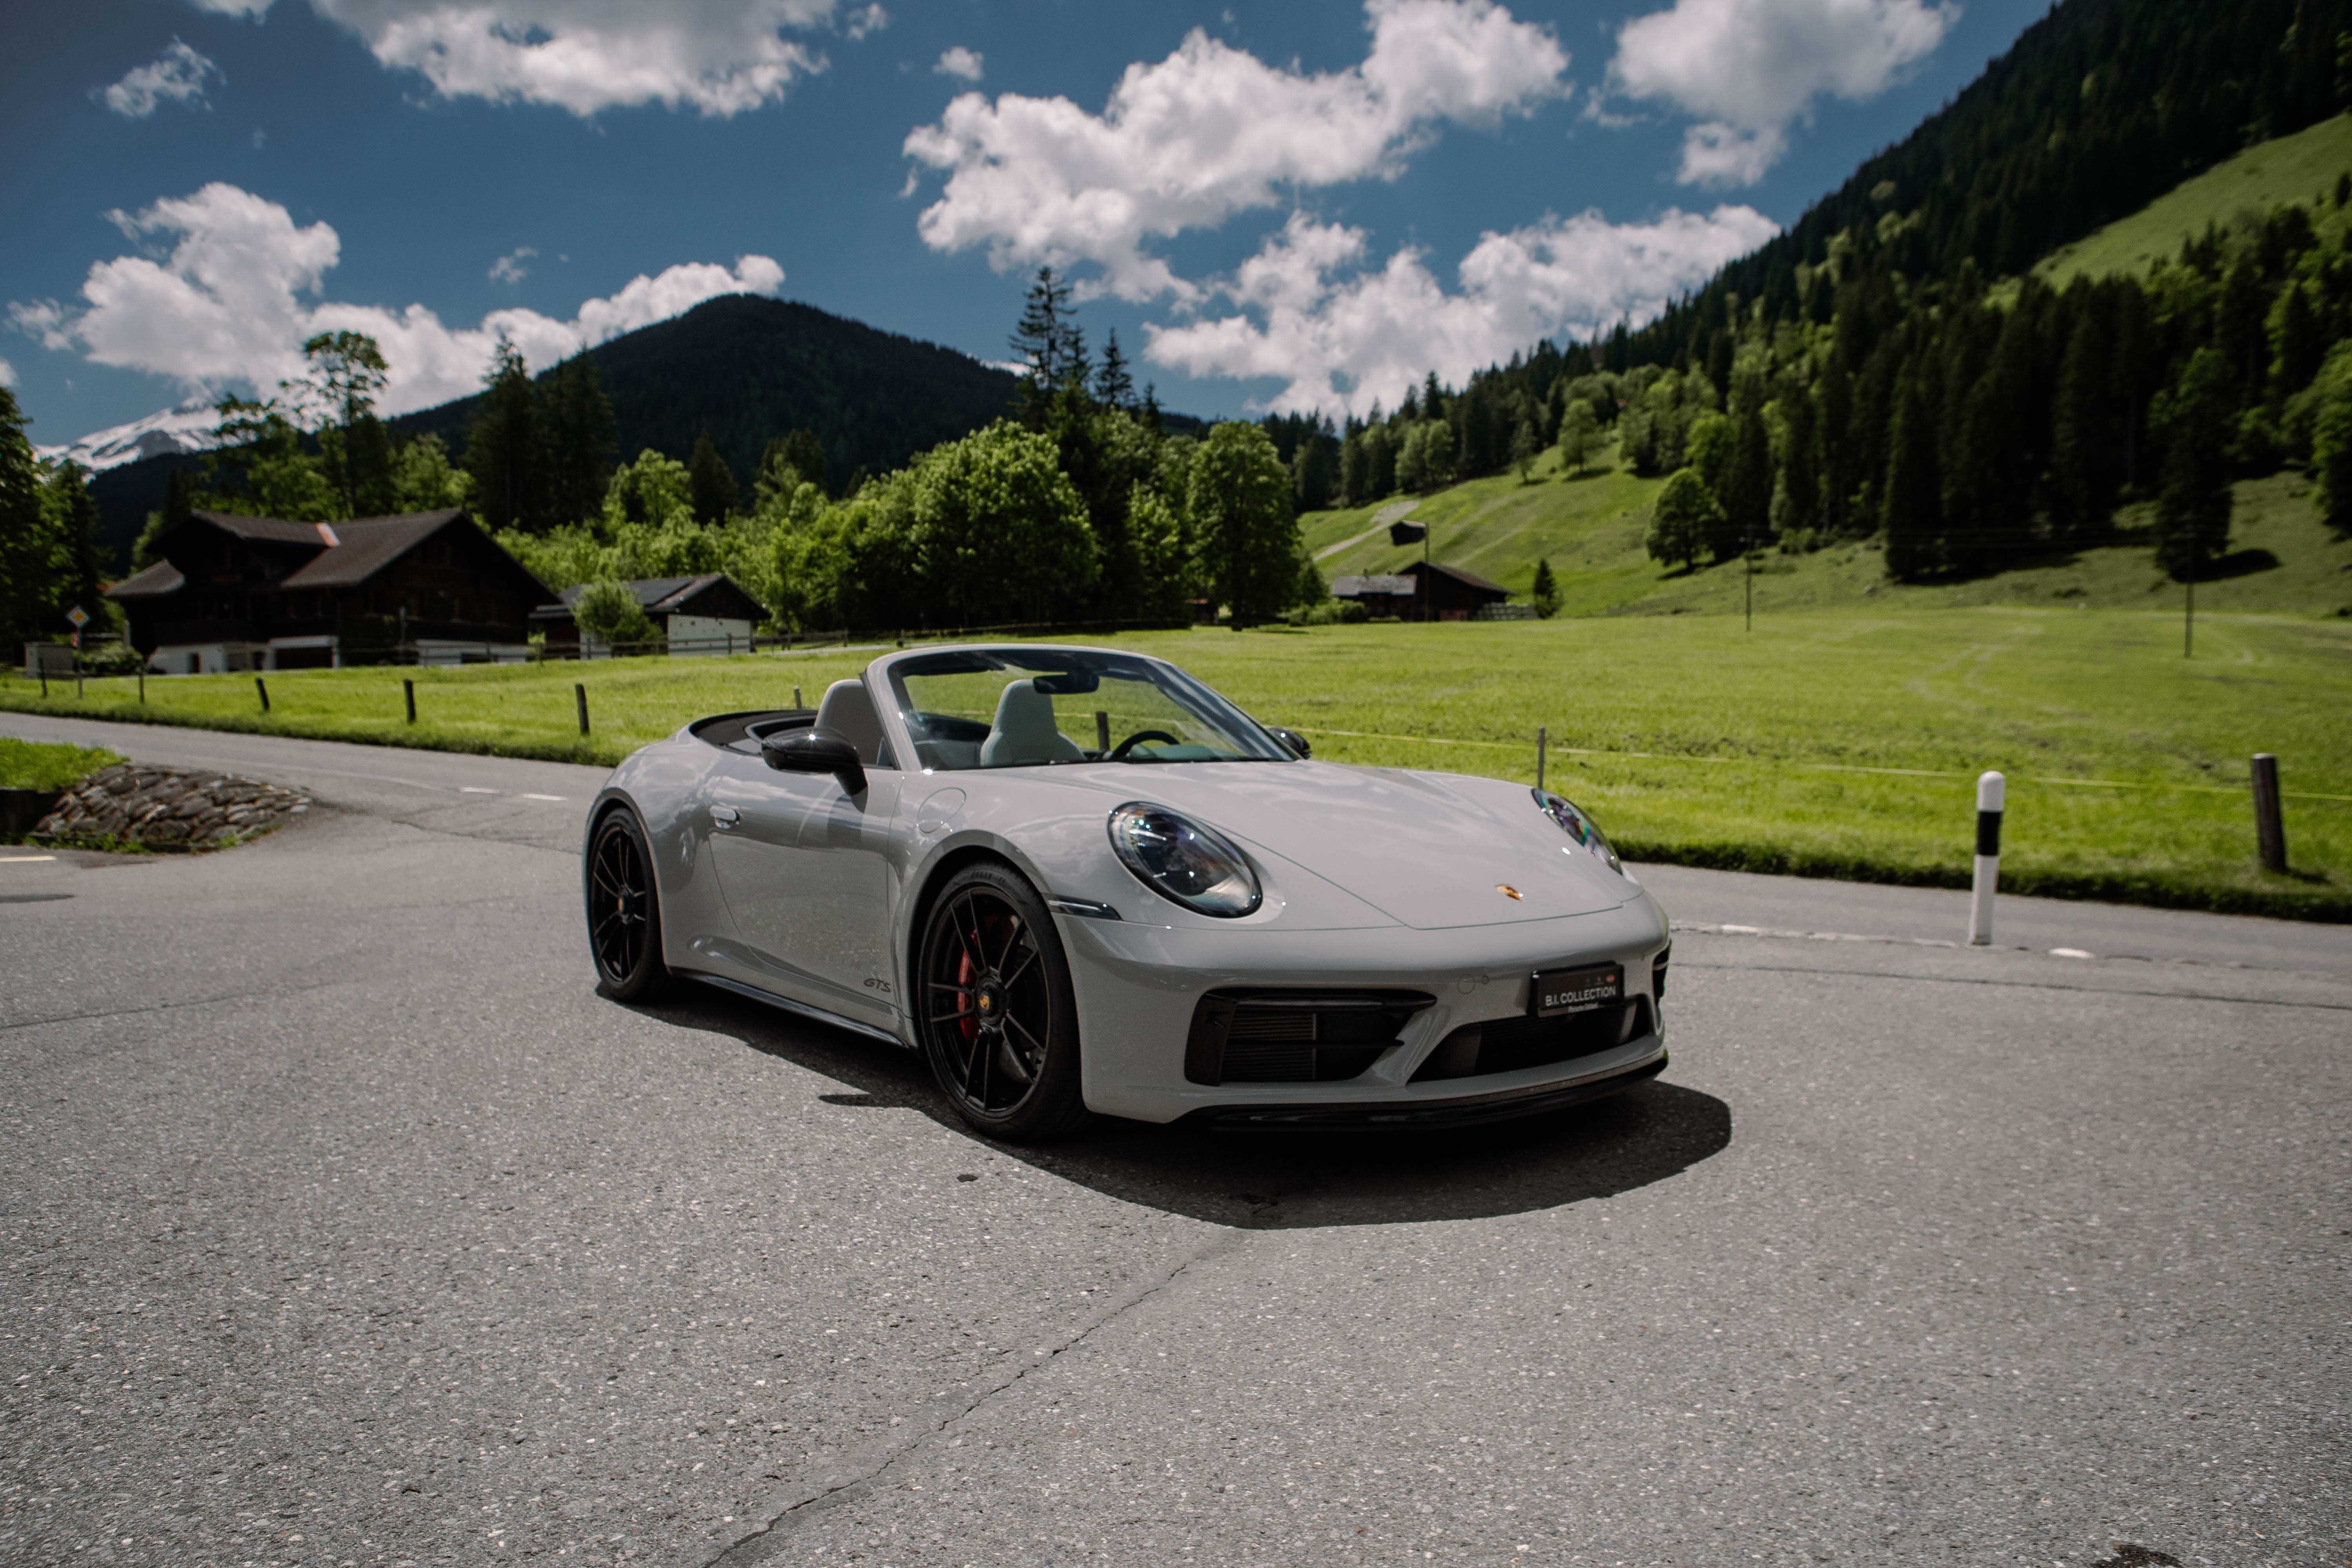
(2085, 437)
(1355, 473)
(2192, 511)
(1114, 387)
(712, 482)
(1544, 593)
(1747, 490)
(1523, 448)
(1042, 337)
(501, 446)
(2331, 441)
(1914, 494)
(2297, 345)
(574, 423)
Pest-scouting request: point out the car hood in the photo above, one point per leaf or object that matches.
(1428, 850)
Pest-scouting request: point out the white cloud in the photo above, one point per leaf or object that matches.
(1341, 344)
(722, 56)
(866, 19)
(177, 74)
(1212, 131)
(228, 307)
(1747, 69)
(509, 268)
(7, 374)
(958, 61)
(253, 8)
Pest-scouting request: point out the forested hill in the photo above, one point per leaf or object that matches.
(2096, 110)
(746, 369)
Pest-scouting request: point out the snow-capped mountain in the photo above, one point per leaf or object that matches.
(184, 427)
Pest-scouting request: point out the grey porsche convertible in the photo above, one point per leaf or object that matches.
(1077, 879)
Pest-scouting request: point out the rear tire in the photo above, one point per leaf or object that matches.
(624, 936)
(998, 1019)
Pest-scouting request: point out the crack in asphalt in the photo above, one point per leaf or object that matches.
(2020, 984)
(803, 1499)
(264, 996)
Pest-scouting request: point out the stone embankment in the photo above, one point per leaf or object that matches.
(168, 808)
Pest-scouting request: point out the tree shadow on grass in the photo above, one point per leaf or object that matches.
(1281, 1180)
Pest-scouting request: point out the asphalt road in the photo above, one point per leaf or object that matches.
(346, 1223)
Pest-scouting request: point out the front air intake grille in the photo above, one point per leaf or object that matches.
(1507, 1045)
(1294, 1037)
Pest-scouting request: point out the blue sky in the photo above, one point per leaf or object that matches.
(1294, 205)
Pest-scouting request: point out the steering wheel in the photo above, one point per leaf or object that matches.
(1118, 753)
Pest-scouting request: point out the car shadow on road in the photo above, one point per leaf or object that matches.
(1284, 1180)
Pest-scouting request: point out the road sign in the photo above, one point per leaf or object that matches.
(79, 617)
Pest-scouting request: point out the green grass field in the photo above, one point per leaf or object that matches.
(1840, 744)
(2283, 561)
(33, 764)
(2301, 168)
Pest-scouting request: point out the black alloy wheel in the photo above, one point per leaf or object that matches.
(998, 1023)
(623, 912)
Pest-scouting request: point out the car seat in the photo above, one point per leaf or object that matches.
(1025, 733)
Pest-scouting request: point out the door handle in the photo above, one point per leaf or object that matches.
(725, 815)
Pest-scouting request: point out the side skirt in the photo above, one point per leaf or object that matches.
(786, 1004)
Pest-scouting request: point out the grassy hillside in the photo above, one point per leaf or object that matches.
(2298, 169)
(2283, 559)
(1838, 743)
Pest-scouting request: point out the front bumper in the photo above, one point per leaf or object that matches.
(1138, 986)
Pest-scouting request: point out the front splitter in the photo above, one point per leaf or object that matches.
(1468, 1111)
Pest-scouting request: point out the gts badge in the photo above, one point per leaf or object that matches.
(881, 985)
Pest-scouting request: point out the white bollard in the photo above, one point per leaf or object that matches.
(1991, 787)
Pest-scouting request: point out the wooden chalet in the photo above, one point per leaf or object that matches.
(258, 592)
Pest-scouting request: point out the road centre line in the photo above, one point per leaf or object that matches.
(22, 860)
(475, 789)
(1824, 767)
(554, 797)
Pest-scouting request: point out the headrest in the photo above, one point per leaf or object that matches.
(848, 709)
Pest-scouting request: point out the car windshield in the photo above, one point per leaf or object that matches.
(1025, 708)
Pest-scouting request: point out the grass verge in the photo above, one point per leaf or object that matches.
(37, 764)
(1825, 743)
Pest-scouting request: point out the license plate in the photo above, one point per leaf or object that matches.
(1562, 991)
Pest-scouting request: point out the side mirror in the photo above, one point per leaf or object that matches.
(1291, 738)
(815, 751)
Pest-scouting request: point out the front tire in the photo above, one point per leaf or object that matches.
(998, 1019)
(624, 911)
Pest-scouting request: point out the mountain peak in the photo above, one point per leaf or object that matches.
(185, 426)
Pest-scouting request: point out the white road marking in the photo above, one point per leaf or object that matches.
(475, 789)
(543, 798)
(2071, 952)
(22, 860)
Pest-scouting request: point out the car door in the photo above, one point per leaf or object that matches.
(805, 869)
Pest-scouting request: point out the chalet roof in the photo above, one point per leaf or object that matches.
(1359, 588)
(656, 594)
(152, 583)
(668, 595)
(1467, 579)
(363, 547)
(277, 530)
(344, 555)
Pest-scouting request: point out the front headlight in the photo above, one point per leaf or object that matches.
(1183, 861)
(1579, 827)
